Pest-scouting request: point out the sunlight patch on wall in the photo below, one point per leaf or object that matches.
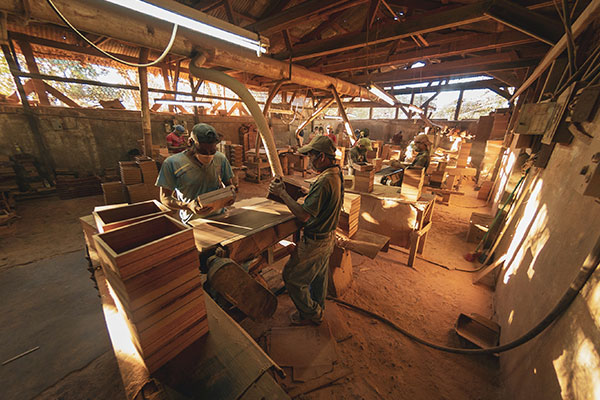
(518, 247)
(578, 371)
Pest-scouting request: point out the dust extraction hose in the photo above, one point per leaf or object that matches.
(586, 271)
(238, 88)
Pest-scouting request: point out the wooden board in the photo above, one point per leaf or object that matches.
(249, 228)
(217, 199)
(412, 183)
(134, 248)
(111, 218)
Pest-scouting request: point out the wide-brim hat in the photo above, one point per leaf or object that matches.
(322, 144)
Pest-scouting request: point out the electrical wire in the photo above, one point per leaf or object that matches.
(136, 65)
(585, 272)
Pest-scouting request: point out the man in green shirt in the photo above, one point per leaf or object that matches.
(200, 169)
(422, 145)
(306, 273)
(358, 153)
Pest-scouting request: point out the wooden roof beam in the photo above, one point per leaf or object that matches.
(529, 22)
(293, 15)
(483, 84)
(470, 66)
(474, 43)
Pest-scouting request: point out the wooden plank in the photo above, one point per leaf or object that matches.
(108, 219)
(32, 67)
(478, 276)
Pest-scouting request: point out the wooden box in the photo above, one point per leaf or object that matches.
(412, 183)
(130, 172)
(134, 248)
(148, 170)
(138, 193)
(108, 219)
(114, 193)
(363, 181)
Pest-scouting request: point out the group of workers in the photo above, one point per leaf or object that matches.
(196, 167)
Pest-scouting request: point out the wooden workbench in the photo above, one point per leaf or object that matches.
(246, 230)
(387, 212)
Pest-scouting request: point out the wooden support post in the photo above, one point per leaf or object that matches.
(32, 66)
(342, 111)
(165, 73)
(45, 156)
(458, 104)
(145, 103)
(314, 115)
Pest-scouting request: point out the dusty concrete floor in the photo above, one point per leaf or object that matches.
(44, 287)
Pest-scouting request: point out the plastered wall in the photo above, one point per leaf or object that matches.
(89, 140)
(549, 238)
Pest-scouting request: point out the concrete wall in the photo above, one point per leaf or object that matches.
(549, 238)
(89, 140)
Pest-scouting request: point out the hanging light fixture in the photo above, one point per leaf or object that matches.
(379, 92)
(241, 37)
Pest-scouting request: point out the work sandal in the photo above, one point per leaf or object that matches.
(297, 320)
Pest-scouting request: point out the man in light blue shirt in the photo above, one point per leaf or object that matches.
(198, 170)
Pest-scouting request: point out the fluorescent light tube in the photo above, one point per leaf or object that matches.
(382, 95)
(186, 22)
(170, 102)
(332, 117)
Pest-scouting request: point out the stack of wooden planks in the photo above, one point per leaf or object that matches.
(363, 177)
(130, 172)
(69, 188)
(412, 183)
(350, 214)
(218, 199)
(152, 274)
(235, 154)
(109, 218)
(463, 155)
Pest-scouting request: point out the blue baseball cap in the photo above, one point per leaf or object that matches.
(179, 128)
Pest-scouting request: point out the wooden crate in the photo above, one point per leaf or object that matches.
(138, 193)
(412, 183)
(363, 181)
(137, 247)
(148, 170)
(130, 172)
(114, 193)
(108, 219)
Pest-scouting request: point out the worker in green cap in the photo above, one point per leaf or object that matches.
(199, 169)
(306, 273)
(358, 153)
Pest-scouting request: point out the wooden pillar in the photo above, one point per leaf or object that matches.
(342, 111)
(38, 84)
(45, 156)
(145, 103)
(458, 104)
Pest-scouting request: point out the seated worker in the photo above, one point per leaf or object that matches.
(200, 169)
(331, 135)
(306, 272)
(422, 145)
(397, 139)
(176, 141)
(359, 152)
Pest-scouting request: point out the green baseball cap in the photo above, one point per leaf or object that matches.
(204, 133)
(365, 142)
(322, 144)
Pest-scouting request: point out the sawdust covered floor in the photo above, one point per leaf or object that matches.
(426, 301)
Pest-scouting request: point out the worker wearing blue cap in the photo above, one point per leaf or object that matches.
(306, 273)
(176, 141)
(199, 169)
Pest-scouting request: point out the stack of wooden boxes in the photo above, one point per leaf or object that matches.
(437, 177)
(151, 268)
(149, 176)
(412, 183)
(350, 213)
(109, 218)
(363, 177)
(235, 154)
(130, 172)
(114, 193)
